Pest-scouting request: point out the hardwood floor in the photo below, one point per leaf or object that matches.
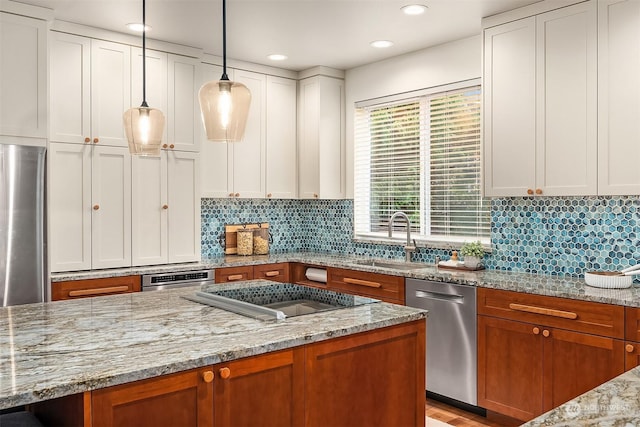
(455, 416)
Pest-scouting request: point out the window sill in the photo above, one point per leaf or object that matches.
(421, 242)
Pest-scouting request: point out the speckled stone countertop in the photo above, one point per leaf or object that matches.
(566, 287)
(614, 403)
(55, 349)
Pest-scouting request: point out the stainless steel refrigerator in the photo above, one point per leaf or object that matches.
(23, 273)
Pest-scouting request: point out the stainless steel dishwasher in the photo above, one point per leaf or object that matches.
(451, 337)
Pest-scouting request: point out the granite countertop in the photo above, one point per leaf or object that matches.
(50, 350)
(614, 403)
(565, 287)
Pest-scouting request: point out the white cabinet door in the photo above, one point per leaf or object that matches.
(509, 90)
(216, 167)
(110, 91)
(618, 97)
(281, 159)
(149, 206)
(23, 86)
(249, 154)
(184, 109)
(69, 206)
(183, 206)
(111, 205)
(321, 170)
(156, 77)
(567, 145)
(70, 88)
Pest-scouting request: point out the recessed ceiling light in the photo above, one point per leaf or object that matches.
(414, 9)
(277, 57)
(137, 27)
(381, 43)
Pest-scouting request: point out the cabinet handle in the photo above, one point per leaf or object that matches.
(98, 291)
(546, 333)
(87, 139)
(96, 140)
(235, 277)
(237, 194)
(272, 273)
(538, 191)
(225, 373)
(361, 282)
(544, 311)
(529, 191)
(208, 376)
(315, 196)
(165, 206)
(164, 145)
(536, 331)
(269, 195)
(96, 207)
(230, 194)
(172, 146)
(629, 348)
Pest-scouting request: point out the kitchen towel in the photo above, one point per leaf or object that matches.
(316, 274)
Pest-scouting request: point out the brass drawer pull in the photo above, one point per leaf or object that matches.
(543, 311)
(98, 291)
(272, 273)
(362, 282)
(235, 277)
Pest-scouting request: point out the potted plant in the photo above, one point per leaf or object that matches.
(472, 253)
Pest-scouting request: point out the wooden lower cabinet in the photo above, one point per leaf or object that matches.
(72, 289)
(276, 272)
(370, 379)
(233, 274)
(184, 399)
(526, 369)
(264, 390)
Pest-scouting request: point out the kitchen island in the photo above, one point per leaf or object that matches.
(81, 348)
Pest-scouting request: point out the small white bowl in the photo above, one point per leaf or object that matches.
(607, 279)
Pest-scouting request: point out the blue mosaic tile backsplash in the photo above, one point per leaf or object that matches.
(544, 235)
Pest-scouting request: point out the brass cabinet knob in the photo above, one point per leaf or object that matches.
(164, 145)
(536, 331)
(96, 207)
(315, 195)
(269, 195)
(165, 206)
(207, 376)
(530, 192)
(545, 333)
(96, 140)
(225, 373)
(237, 194)
(629, 348)
(230, 194)
(538, 191)
(172, 146)
(87, 139)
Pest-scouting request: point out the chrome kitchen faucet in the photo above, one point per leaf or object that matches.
(408, 248)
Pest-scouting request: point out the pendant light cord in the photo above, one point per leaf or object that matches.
(224, 41)
(144, 56)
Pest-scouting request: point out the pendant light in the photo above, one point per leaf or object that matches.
(224, 104)
(144, 125)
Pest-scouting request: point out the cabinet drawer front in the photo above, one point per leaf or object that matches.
(233, 274)
(94, 287)
(276, 272)
(581, 316)
(381, 286)
(632, 322)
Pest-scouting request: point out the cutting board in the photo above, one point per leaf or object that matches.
(231, 235)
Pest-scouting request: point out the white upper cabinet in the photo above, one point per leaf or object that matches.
(321, 141)
(156, 79)
(23, 86)
(183, 116)
(618, 97)
(540, 100)
(90, 84)
(184, 230)
(281, 168)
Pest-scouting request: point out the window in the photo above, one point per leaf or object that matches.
(421, 155)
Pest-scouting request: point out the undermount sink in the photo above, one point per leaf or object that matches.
(392, 265)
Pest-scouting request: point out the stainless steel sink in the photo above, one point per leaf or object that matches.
(300, 307)
(405, 266)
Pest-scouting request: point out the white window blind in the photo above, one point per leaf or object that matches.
(421, 155)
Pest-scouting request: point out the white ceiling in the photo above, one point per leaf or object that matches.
(333, 33)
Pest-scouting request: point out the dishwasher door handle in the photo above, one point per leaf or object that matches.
(454, 298)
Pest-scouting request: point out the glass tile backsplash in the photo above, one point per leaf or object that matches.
(545, 235)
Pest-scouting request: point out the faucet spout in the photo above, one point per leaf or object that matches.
(408, 248)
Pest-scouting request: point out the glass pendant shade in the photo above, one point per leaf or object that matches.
(225, 107)
(144, 127)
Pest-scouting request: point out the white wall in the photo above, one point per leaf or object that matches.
(446, 63)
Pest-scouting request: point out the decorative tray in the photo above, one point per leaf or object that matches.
(459, 265)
